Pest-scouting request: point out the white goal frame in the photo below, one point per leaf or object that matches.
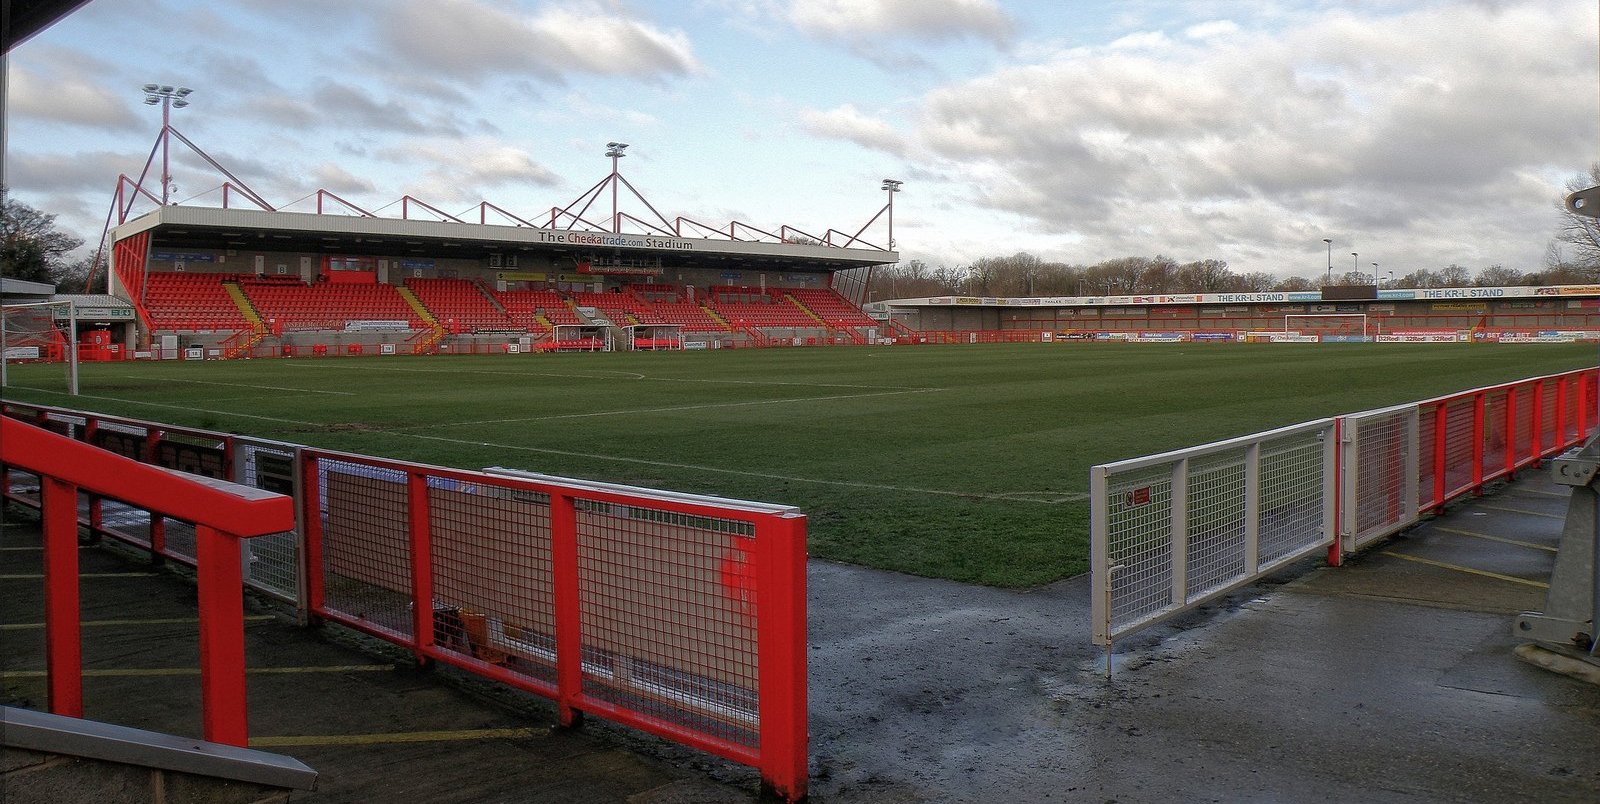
(1288, 321)
(8, 346)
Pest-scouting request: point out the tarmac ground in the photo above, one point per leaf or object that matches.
(1391, 678)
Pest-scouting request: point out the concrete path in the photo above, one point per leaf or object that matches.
(1390, 679)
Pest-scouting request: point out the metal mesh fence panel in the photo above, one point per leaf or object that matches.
(1522, 424)
(1171, 531)
(1458, 446)
(1215, 555)
(1296, 496)
(668, 605)
(493, 586)
(1551, 438)
(271, 562)
(1495, 435)
(366, 549)
(1377, 465)
(1138, 507)
(1427, 454)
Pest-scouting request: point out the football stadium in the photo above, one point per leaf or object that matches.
(485, 475)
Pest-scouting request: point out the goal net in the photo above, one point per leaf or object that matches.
(1349, 325)
(38, 346)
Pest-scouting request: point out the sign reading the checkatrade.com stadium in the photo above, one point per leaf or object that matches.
(615, 240)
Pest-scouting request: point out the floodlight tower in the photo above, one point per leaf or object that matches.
(1329, 241)
(169, 97)
(615, 151)
(892, 186)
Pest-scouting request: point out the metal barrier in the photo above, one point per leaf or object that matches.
(224, 515)
(1173, 530)
(270, 562)
(680, 615)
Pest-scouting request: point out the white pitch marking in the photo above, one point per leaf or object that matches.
(1007, 497)
(1004, 497)
(237, 385)
(632, 411)
(186, 408)
(631, 375)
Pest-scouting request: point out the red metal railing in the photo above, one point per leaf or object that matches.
(680, 616)
(222, 514)
(1479, 436)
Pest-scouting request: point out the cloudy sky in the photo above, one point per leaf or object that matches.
(1415, 132)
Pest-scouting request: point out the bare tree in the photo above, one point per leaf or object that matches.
(1204, 276)
(1454, 276)
(1581, 232)
(1295, 284)
(1499, 276)
(1255, 282)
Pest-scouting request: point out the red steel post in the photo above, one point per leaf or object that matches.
(62, 627)
(781, 645)
(1536, 423)
(1561, 414)
(1440, 417)
(311, 534)
(421, 563)
(1477, 443)
(219, 579)
(569, 637)
(1511, 429)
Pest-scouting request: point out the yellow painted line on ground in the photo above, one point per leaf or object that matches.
(1500, 539)
(395, 737)
(134, 672)
(1510, 510)
(39, 576)
(116, 623)
(1458, 568)
(1562, 495)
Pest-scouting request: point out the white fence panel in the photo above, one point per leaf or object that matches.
(1171, 531)
(1380, 458)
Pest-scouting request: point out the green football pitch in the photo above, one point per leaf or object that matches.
(962, 462)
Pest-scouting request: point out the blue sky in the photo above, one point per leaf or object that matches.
(1416, 133)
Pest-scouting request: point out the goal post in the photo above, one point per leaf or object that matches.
(39, 332)
(1327, 324)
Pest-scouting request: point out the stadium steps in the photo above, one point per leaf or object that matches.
(246, 309)
(717, 318)
(421, 309)
(804, 309)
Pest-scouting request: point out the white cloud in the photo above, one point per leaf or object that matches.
(462, 170)
(862, 21)
(471, 38)
(1370, 127)
(1212, 29)
(848, 123)
(67, 98)
(332, 177)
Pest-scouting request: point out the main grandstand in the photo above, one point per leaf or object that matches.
(238, 282)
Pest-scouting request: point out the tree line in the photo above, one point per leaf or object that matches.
(1025, 274)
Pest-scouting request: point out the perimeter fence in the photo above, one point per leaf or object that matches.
(680, 615)
(1172, 531)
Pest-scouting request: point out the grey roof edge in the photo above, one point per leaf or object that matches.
(56, 734)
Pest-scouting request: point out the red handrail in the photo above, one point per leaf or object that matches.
(222, 513)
